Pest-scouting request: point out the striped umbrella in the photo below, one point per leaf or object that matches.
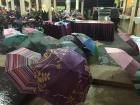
(18, 67)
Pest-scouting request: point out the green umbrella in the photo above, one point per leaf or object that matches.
(71, 45)
(14, 40)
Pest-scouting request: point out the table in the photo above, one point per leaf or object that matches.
(98, 30)
(57, 31)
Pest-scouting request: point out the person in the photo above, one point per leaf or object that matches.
(114, 15)
(95, 14)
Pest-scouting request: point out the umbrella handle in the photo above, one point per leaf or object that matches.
(115, 84)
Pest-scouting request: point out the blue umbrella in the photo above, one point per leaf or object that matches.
(88, 42)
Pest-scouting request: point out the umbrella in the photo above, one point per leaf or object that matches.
(63, 76)
(67, 38)
(130, 41)
(10, 31)
(73, 46)
(123, 59)
(88, 42)
(28, 30)
(14, 40)
(18, 65)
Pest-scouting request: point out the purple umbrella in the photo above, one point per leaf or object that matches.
(18, 65)
(62, 76)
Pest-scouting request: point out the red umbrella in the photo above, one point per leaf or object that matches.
(124, 60)
(18, 67)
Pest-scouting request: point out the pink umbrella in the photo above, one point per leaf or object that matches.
(10, 31)
(18, 65)
(28, 30)
(126, 37)
(123, 59)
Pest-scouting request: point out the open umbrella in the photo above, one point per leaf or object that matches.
(28, 30)
(10, 31)
(88, 42)
(123, 59)
(126, 37)
(18, 65)
(73, 46)
(14, 40)
(67, 38)
(63, 76)
(128, 63)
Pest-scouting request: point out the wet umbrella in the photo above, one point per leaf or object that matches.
(28, 30)
(126, 37)
(73, 46)
(63, 76)
(14, 40)
(18, 65)
(10, 31)
(88, 42)
(123, 59)
(126, 62)
(67, 38)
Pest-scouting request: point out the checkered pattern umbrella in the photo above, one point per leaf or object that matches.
(18, 65)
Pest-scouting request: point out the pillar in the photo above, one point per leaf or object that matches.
(77, 5)
(22, 7)
(37, 5)
(0, 3)
(7, 5)
(124, 5)
(30, 4)
(12, 5)
(82, 7)
(68, 5)
(133, 14)
(44, 4)
(50, 9)
(54, 4)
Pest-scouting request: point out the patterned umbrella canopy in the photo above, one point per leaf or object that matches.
(63, 76)
(67, 38)
(73, 46)
(18, 65)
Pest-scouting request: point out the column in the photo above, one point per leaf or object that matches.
(44, 4)
(0, 3)
(50, 10)
(37, 5)
(7, 5)
(124, 5)
(68, 5)
(30, 4)
(133, 14)
(22, 7)
(82, 7)
(54, 4)
(77, 5)
(12, 5)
